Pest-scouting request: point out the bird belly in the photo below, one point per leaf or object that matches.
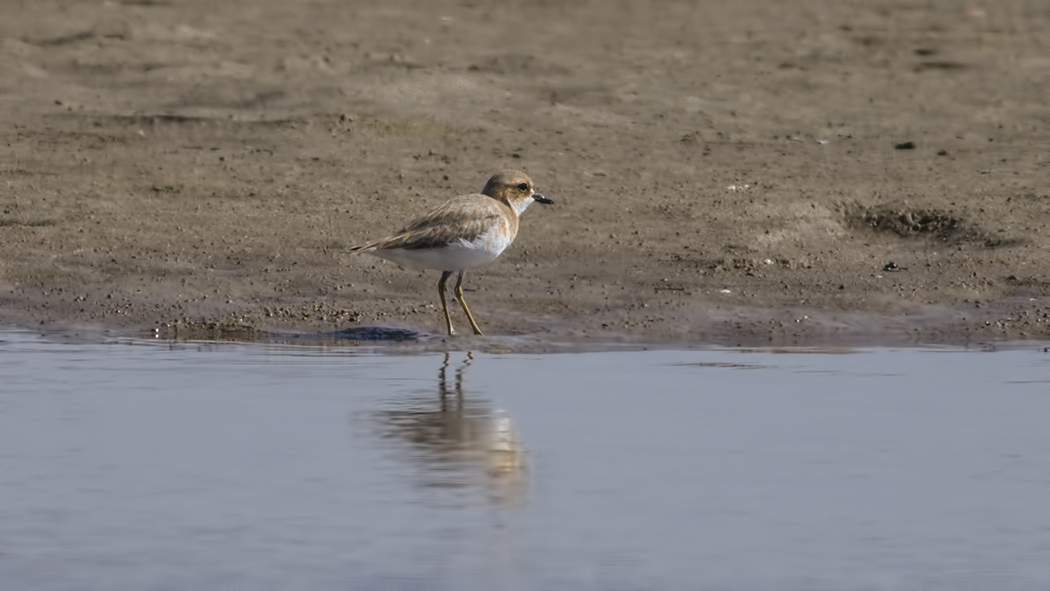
(458, 255)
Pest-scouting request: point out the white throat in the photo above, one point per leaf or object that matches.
(520, 205)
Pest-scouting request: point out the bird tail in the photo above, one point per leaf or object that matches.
(364, 247)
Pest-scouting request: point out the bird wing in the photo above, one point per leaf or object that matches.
(462, 218)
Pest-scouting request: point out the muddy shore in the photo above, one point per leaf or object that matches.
(730, 173)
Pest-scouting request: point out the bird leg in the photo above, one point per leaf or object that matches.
(444, 304)
(458, 290)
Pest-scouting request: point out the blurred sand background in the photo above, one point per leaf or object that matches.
(726, 172)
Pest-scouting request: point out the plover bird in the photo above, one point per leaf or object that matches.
(466, 232)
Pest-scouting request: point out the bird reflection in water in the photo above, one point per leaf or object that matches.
(456, 442)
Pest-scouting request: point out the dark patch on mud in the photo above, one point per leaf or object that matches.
(160, 119)
(207, 330)
(1016, 281)
(907, 222)
(513, 63)
(367, 333)
(24, 172)
(32, 224)
(66, 39)
(244, 331)
(940, 65)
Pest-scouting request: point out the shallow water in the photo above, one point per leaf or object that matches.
(147, 465)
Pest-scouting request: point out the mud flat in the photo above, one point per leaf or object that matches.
(753, 172)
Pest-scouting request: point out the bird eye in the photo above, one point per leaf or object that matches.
(524, 187)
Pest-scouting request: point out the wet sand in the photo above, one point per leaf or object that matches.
(727, 173)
